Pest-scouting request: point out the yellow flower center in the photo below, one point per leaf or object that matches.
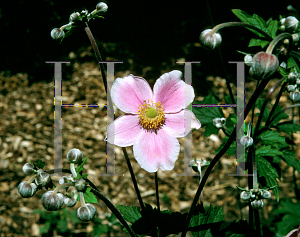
(151, 115)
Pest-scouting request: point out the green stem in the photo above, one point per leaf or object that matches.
(133, 179)
(157, 194)
(61, 186)
(263, 108)
(242, 24)
(278, 38)
(114, 210)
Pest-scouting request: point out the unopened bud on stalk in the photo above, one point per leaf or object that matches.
(74, 16)
(292, 76)
(266, 194)
(65, 179)
(74, 156)
(291, 88)
(248, 60)
(295, 37)
(42, 179)
(219, 122)
(246, 141)
(86, 212)
(28, 169)
(291, 23)
(282, 21)
(52, 201)
(210, 40)
(245, 196)
(71, 201)
(80, 184)
(263, 65)
(101, 7)
(295, 96)
(26, 189)
(57, 33)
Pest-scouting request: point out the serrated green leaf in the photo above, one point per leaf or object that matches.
(210, 129)
(266, 170)
(100, 229)
(80, 168)
(45, 228)
(211, 215)
(258, 42)
(272, 138)
(130, 213)
(288, 127)
(272, 28)
(291, 63)
(283, 71)
(254, 20)
(232, 149)
(89, 197)
(290, 158)
(231, 121)
(267, 151)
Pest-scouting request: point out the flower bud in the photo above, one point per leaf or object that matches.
(295, 37)
(248, 60)
(28, 169)
(282, 21)
(282, 28)
(80, 185)
(291, 87)
(292, 76)
(266, 194)
(42, 179)
(71, 201)
(209, 40)
(86, 212)
(245, 196)
(219, 122)
(57, 33)
(74, 156)
(74, 16)
(65, 179)
(26, 189)
(298, 81)
(51, 201)
(101, 7)
(291, 23)
(295, 96)
(264, 65)
(257, 204)
(246, 141)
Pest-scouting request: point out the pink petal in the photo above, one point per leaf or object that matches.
(124, 130)
(176, 123)
(153, 151)
(129, 92)
(172, 92)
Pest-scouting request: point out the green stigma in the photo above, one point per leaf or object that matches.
(151, 113)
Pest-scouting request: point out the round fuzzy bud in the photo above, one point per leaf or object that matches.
(282, 28)
(295, 96)
(209, 40)
(245, 196)
(80, 185)
(246, 141)
(74, 16)
(28, 169)
(74, 156)
(264, 65)
(291, 87)
(101, 7)
(57, 33)
(70, 201)
(295, 37)
(257, 204)
(248, 60)
(51, 201)
(266, 194)
(86, 212)
(291, 23)
(42, 179)
(292, 76)
(26, 189)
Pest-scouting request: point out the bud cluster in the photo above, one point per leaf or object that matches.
(76, 17)
(255, 196)
(54, 200)
(289, 24)
(293, 88)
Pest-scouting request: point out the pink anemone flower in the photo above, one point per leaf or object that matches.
(153, 120)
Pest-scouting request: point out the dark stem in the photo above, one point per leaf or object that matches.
(257, 223)
(263, 108)
(251, 102)
(114, 210)
(268, 122)
(157, 194)
(99, 58)
(133, 179)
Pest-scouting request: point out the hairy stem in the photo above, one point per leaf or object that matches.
(277, 40)
(61, 186)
